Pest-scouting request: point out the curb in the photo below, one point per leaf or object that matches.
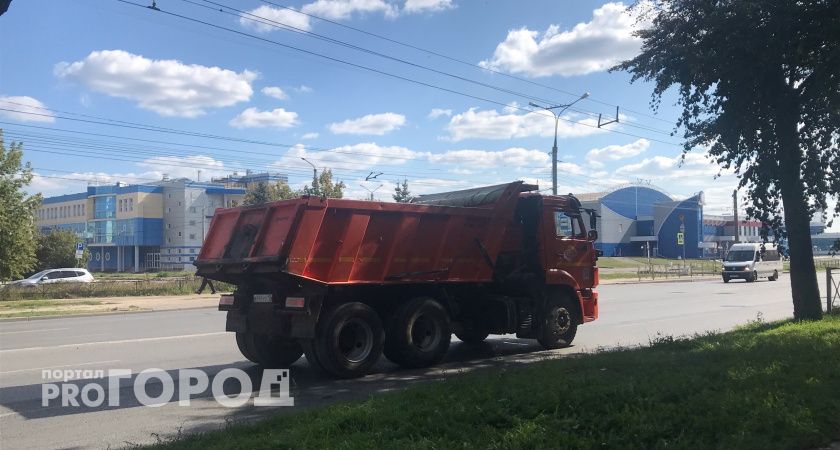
(27, 319)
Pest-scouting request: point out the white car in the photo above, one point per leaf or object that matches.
(50, 276)
(752, 261)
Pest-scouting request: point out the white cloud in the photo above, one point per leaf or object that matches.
(167, 87)
(420, 6)
(344, 9)
(596, 156)
(149, 171)
(254, 118)
(310, 136)
(267, 18)
(274, 92)
(350, 157)
(588, 47)
(439, 112)
(25, 104)
(304, 89)
(509, 158)
(490, 124)
(372, 124)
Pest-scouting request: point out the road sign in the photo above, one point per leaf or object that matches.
(680, 239)
(80, 250)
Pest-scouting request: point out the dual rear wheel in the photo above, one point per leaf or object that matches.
(268, 350)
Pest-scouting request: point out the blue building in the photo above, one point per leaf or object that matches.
(139, 227)
(637, 219)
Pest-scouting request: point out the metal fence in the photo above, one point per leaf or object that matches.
(832, 288)
(696, 268)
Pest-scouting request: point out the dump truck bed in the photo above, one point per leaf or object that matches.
(336, 241)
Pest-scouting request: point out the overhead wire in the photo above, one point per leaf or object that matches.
(457, 60)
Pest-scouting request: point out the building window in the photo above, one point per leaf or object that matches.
(192, 209)
(192, 223)
(192, 236)
(168, 240)
(179, 251)
(168, 210)
(179, 234)
(169, 225)
(179, 203)
(131, 204)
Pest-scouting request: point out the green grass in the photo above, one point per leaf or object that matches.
(109, 288)
(764, 386)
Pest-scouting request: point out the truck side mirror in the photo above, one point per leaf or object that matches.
(592, 235)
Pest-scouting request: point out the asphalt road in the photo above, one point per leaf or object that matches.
(631, 314)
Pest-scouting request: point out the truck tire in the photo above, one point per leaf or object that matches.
(348, 341)
(242, 340)
(269, 351)
(753, 278)
(472, 336)
(418, 333)
(726, 279)
(559, 324)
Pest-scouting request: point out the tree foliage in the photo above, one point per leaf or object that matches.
(759, 86)
(17, 213)
(401, 192)
(323, 186)
(264, 192)
(58, 249)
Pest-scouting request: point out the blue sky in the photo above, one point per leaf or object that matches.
(105, 61)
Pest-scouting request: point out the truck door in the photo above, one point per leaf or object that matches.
(567, 247)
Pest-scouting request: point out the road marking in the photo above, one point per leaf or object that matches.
(58, 367)
(34, 331)
(124, 341)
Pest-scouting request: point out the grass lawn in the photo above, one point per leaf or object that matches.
(764, 386)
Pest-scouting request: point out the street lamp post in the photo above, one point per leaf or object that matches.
(314, 172)
(371, 191)
(551, 109)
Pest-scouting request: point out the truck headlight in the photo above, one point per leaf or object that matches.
(747, 268)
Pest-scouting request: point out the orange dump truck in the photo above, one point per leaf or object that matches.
(345, 281)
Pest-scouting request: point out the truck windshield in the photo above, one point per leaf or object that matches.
(740, 255)
(568, 225)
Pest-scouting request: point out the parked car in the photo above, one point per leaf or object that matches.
(50, 276)
(751, 262)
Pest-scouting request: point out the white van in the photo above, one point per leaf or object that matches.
(751, 262)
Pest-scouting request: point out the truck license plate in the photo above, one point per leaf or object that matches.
(262, 298)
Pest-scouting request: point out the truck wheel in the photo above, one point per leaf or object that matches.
(272, 351)
(753, 278)
(418, 333)
(775, 276)
(242, 340)
(726, 279)
(472, 336)
(348, 341)
(559, 325)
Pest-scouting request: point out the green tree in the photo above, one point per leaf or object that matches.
(264, 192)
(17, 213)
(401, 192)
(323, 186)
(58, 249)
(759, 86)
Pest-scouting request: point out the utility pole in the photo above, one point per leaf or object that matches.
(735, 212)
(551, 109)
